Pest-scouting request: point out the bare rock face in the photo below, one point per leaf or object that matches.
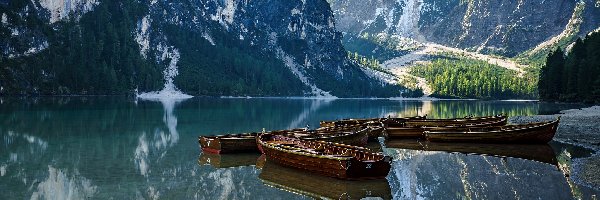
(500, 27)
(60, 9)
(301, 33)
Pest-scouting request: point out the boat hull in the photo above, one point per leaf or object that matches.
(343, 167)
(418, 132)
(536, 134)
(228, 145)
(228, 160)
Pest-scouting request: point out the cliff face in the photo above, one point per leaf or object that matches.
(500, 27)
(243, 47)
(300, 33)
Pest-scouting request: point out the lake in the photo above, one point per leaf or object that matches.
(122, 148)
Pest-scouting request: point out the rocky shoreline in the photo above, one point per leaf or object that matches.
(580, 127)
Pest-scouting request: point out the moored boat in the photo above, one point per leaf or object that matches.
(454, 121)
(532, 133)
(245, 143)
(228, 160)
(320, 187)
(230, 143)
(416, 128)
(325, 158)
(345, 122)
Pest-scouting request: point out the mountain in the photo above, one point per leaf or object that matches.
(505, 28)
(464, 48)
(204, 47)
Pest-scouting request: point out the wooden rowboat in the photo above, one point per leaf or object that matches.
(416, 128)
(452, 121)
(532, 133)
(245, 143)
(535, 152)
(325, 158)
(345, 122)
(228, 160)
(320, 187)
(230, 143)
(376, 128)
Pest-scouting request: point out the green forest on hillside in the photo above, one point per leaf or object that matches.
(574, 77)
(469, 78)
(95, 55)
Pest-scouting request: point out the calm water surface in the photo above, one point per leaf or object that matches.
(119, 148)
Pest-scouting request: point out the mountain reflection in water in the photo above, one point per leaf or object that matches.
(115, 148)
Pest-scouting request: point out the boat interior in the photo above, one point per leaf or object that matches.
(323, 149)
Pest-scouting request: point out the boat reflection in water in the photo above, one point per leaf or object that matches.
(535, 152)
(301, 182)
(228, 160)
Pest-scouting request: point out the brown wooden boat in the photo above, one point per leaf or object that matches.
(416, 128)
(228, 160)
(236, 143)
(535, 152)
(345, 122)
(325, 158)
(532, 133)
(230, 143)
(376, 128)
(453, 121)
(320, 187)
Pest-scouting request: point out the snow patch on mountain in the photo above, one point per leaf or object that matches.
(4, 19)
(60, 9)
(36, 49)
(226, 13)
(208, 38)
(169, 91)
(142, 35)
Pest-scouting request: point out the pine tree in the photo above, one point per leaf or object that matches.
(555, 80)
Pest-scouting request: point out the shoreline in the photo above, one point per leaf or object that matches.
(579, 127)
(285, 97)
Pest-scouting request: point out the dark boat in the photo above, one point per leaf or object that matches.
(416, 128)
(532, 133)
(228, 160)
(231, 143)
(345, 122)
(236, 143)
(320, 187)
(325, 158)
(376, 128)
(535, 152)
(453, 121)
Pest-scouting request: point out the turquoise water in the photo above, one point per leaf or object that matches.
(113, 147)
